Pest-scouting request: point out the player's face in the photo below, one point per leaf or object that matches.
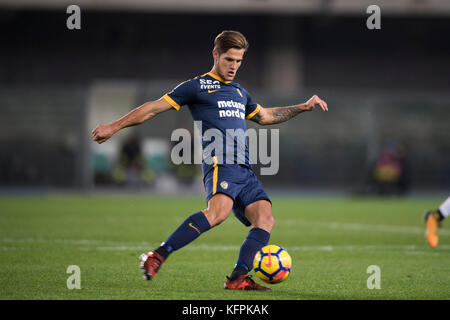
(228, 63)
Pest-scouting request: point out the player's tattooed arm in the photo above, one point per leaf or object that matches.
(282, 114)
(275, 115)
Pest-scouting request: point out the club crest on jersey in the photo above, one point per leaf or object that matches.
(209, 84)
(224, 185)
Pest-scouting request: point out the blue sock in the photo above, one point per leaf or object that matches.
(256, 239)
(187, 232)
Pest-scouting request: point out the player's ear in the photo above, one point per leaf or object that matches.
(215, 55)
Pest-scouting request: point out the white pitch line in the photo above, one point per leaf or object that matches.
(106, 245)
(406, 249)
(12, 248)
(361, 227)
(68, 241)
(93, 245)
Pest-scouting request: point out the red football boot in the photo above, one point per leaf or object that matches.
(244, 282)
(150, 264)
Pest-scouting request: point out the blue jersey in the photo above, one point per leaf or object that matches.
(224, 107)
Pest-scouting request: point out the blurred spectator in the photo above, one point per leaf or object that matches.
(186, 173)
(131, 168)
(389, 175)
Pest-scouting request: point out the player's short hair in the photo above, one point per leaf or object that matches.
(230, 39)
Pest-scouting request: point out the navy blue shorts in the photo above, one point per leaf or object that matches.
(239, 183)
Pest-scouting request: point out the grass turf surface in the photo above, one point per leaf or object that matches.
(332, 241)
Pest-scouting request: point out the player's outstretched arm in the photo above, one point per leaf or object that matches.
(267, 116)
(148, 110)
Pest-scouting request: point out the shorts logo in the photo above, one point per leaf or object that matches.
(224, 185)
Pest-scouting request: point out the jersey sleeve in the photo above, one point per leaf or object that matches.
(182, 94)
(251, 108)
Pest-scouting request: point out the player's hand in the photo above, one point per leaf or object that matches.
(102, 132)
(313, 102)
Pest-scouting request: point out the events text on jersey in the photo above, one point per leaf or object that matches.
(209, 84)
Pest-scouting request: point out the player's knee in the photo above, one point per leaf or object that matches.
(221, 217)
(216, 216)
(265, 222)
(219, 208)
(269, 222)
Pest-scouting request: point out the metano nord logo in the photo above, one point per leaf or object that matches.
(231, 108)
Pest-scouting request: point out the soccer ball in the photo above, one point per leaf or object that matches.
(272, 264)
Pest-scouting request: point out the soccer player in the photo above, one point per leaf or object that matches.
(219, 103)
(433, 220)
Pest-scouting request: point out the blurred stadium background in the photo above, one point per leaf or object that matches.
(387, 90)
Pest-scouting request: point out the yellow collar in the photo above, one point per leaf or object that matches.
(215, 76)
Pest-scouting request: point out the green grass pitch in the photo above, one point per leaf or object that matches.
(332, 242)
